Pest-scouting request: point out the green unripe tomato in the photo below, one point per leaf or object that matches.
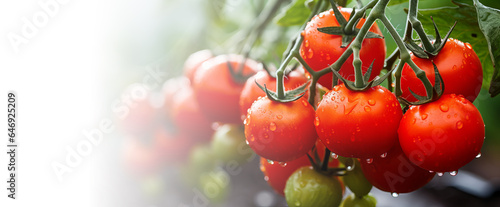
(355, 201)
(215, 185)
(201, 159)
(307, 187)
(355, 180)
(229, 144)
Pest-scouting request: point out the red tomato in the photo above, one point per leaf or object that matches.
(458, 65)
(139, 118)
(280, 131)
(251, 91)
(358, 124)
(395, 173)
(170, 88)
(217, 92)
(188, 117)
(139, 158)
(443, 135)
(172, 148)
(194, 61)
(320, 50)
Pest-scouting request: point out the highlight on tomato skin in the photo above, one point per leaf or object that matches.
(218, 91)
(395, 173)
(359, 124)
(444, 135)
(194, 61)
(320, 50)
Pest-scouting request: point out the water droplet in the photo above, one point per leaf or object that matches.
(444, 107)
(303, 54)
(349, 168)
(282, 164)
(306, 43)
(367, 108)
(414, 120)
(383, 155)
(266, 178)
(369, 161)
(478, 155)
(468, 45)
(327, 57)
(460, 125)
(321, 15)
(430, 171)
(454, 67)
(303, 33)
(467, 117)
(424, 116)
(245, 121)
(372, 102)
(305, 103)
(448, 116)
(310, 53)
(336, 88)
(272, 126)
(297, 203)
(453, 173)
(270, 162)
(358, 129)
(335, 156)
(333, 98)
(247, 142)
(266, 136)
(342, 98)
(440, 174)
(252, 138)
(336, 106)
(395, 195)
(279, 116)
(316, 121)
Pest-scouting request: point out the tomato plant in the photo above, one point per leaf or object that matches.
(344, 121)
(458, 65)
(443, 135)
(320, 50)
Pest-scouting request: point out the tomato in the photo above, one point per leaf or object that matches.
(320, 50)
(171, 148)
(458, 65)
(215, 185)
(276, 174)
(139, 158)
(188, 118)
(139, 116)
(395, 173)
(355, 201)
(170, 89)
(356, 181)
(217, 92)
(194, 61)
(443, 135)
(306, 187)
(251, 91)
(280, 131)
(228, 145)
(361, 124)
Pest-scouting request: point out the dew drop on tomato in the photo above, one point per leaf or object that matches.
(440, 174)
(367, 108)
(383, 155)
(478, 155)
(369, 161)
(460, 124)
(272, 126)
(424, 116)
(316, 121)
(453, 173)
(395, 195)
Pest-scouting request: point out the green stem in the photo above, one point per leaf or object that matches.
(326, 159)
(349, 27)
(417, 25)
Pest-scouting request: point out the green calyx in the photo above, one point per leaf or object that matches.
(366, 77)
(289, 96)
(347, 32)
(237, 75)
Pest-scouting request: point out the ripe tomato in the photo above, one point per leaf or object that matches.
(458, 65)
(280, 131)
(358, 124)
(395, 173)
(320, 50)
(194, 61)
(217, 92)
(170, 89)
(188, 118)
(276, 174)
(251, 91)
(306, 187)
(444, 135)
(139, 117)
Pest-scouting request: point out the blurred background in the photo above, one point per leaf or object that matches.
(99, 69)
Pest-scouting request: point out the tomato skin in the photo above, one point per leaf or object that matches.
(320, 50)
(443, 135)
(280, 131)
(252, 92)
(395, 173)
(458, 65)
(216, 90)
(355, 201)
(194, 61)
(358, 124)
(188, 117)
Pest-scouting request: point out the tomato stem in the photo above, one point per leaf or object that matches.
(349, 27)
(326, 159)
(417, 25)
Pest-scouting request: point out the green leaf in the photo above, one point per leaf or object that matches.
(466, 30)
(489, 24)
(394, 2)
(296, 13)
